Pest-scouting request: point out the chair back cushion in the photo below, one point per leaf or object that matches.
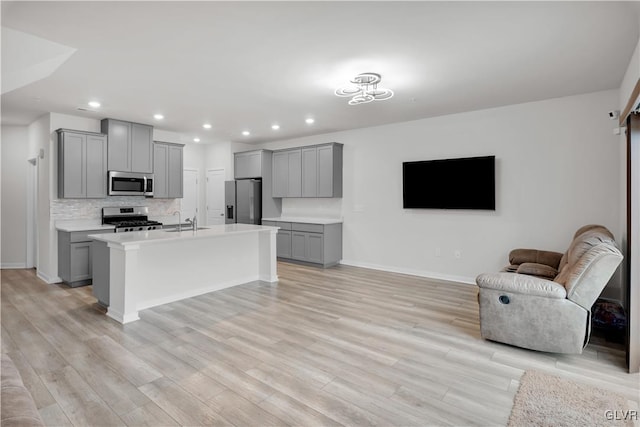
(591, 260)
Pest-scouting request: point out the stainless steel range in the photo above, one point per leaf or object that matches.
(135, 218)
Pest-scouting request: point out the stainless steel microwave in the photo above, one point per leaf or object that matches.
(130, 184)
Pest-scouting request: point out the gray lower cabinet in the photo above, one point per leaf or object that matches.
(311, 243)
(100, 266)
(75, 257)
(167, 170)
(130, 146)
(283, 244)
(82, 165)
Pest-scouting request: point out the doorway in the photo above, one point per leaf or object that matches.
(189, 203)
(215, 196)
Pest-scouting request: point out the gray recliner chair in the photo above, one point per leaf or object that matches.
(543, 300)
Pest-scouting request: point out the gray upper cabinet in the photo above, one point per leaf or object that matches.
(314, 171)
(248, 164)
(130, 146)
(175, 171)
(329, 174)
(287, 173)
(310, 172)
(82, 165)
(167, 170)
(160, 162)
(280, 174)
(141, 148)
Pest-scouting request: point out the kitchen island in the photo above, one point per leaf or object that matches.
(148, 268)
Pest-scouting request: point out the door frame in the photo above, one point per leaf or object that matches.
(197, 171)
(32, 255)
(206, 191)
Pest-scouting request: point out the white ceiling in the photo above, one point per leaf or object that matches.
(246, 65)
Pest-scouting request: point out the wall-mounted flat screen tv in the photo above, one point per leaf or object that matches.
(466, 183)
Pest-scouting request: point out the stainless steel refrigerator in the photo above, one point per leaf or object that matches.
(243, 201)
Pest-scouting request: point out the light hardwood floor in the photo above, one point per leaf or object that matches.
(341, 346)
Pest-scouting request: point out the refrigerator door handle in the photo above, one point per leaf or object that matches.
(251, 209)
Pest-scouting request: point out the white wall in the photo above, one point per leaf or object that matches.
(219, 156)
(557, 169)
(14, 202)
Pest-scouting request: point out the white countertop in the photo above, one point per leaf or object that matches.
(82, 225)
(306, 220)
(163, 236)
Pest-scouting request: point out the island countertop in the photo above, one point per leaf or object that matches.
(163, 236)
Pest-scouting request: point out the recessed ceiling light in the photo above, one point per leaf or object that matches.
(94, 104)
(246, 133)
(275, 127)
(158, 116)
(206, 126)
(196, 139)
(309, 120)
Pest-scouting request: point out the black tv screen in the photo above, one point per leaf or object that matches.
(466, 183)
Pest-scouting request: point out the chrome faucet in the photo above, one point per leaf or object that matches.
(179, 220)
(193, 222)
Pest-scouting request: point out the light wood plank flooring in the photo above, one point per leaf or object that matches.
(341, 346)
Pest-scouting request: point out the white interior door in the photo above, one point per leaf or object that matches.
(189, 204)
(215, 196)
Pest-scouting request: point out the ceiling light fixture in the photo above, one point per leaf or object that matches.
(196, 139)
(365, 89)
(246, 133)
(310, 120)
(94, 104)
(275, 127)
(206, 126)
(158, 116)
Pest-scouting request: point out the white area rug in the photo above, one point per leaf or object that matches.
(546, 400)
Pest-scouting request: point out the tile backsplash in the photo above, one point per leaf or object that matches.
(65, 209)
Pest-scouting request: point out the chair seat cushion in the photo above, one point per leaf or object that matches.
(535, 269)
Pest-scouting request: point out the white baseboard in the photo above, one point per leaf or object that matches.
(13, 265)
(412, 272)
(47, 279)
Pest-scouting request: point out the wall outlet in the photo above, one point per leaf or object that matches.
(438, 252)
(457, 254)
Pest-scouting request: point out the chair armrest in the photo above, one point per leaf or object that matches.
(520, 256)
(521, 284)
